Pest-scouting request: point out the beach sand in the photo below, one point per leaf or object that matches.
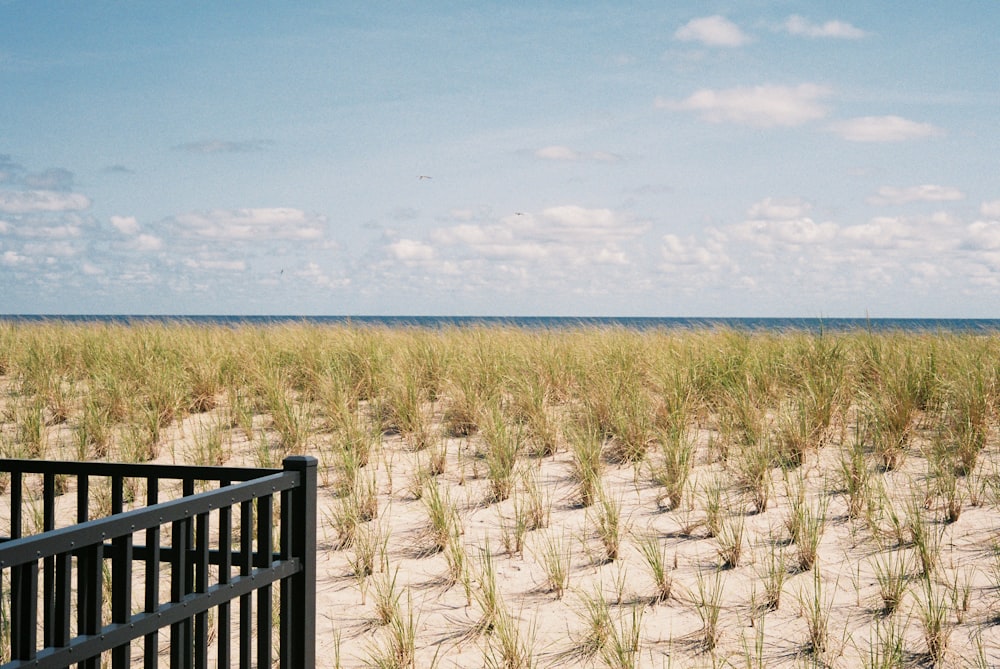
(557, 630)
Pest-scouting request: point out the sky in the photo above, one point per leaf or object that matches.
(755, 158)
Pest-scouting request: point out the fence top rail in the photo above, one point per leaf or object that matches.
(135, 470)
(32, 548)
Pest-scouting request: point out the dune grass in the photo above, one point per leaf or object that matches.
(765, 454)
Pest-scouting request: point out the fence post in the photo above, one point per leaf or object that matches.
(302, 631)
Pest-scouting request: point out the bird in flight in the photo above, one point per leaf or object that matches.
(424, 176)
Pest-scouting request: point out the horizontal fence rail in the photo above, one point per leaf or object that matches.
(115, 582)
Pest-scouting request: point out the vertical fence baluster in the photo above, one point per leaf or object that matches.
(188, 566)
(264, 558)
(246, 566)
(24, 611)
(121, 594)
(15, 504)
(48, 564)
(117, 493)
(201, 585)
(180, 633)
(121, 570)
(285, 602)
(4, 633)
(82, 513)
(90, 596)
(152, 599)
(82, 498)
(63, 594)
(225, 573)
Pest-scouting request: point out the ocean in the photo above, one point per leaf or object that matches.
(987, 325)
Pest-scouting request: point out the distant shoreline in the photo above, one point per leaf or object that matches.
(545, 322)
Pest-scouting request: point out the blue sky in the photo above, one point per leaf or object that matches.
(762, 158)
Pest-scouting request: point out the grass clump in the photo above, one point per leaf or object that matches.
(502, 445)
(442, 516)
(933, 613)
(586, 466)
(654, 554)
(595, 613)
(554, 555)
(674, 468)
(608, 525)
(708, 604)
(890, 570)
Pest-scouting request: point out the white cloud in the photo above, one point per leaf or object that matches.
(990, 209)
(760, 106)
(574, 222)
(922, 193)
(882, 231)
(712, 31)
(62, 249)
(147, 243)
(983, 235)
(315, 274)
(127, 225)
(770, 208)
(610, 257)
(557, 239)
(250, 224)
(471, 234)
(928, 270)
(694, 259)
(12, 258)
(883, 129)
(797, 25)
(924, 236)
(565, 153)
(557, 153)
(410, 250)
(512, 239)
(36, 201)
(65, 231)
(783, 223)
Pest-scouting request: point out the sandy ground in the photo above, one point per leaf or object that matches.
(671, 632)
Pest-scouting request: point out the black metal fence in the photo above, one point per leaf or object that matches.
(208, 554)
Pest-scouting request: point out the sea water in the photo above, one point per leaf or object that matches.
(987, 325)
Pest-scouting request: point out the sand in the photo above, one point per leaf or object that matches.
(672, 633)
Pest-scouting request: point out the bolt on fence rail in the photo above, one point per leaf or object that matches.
(216, 550)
